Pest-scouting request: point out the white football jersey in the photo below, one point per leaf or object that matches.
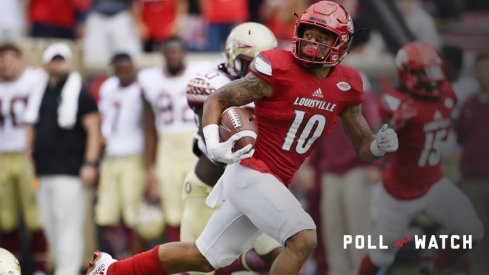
(204, 84)
(168, 98)
(199, 88)
(122, 110)
(13, 100)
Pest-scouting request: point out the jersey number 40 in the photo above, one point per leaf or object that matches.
(14, 110)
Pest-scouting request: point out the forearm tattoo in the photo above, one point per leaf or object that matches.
(244, 90)
(356, 127)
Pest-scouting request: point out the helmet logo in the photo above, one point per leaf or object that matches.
(343, 86)
(349, 25)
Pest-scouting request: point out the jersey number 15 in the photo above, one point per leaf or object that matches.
(431, 153)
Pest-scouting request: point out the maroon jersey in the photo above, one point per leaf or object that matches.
(301, 109)
(422, 127)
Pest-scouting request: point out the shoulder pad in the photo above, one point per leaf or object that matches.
(201, 86)
(109, 84)
(261, 65)
(392, 99)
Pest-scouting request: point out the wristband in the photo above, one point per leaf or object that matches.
(91, 163)
(374, 148)
(211, 134)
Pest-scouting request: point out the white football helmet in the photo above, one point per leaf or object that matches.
(9, 265)
(243, 43)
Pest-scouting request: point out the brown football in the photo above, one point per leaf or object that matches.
(237, 119)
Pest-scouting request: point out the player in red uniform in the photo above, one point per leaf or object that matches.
(412, 181)
(298, 95)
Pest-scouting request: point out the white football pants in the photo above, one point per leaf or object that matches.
(62, 205)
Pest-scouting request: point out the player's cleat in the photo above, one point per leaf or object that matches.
(100, 263)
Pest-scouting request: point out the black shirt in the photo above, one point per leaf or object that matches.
(59, 151)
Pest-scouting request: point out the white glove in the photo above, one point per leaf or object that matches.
(222, 151)
(385, 141)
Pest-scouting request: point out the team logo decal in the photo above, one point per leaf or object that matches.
(188, 188)
(343, 86)
(318, 93)
(373, 242)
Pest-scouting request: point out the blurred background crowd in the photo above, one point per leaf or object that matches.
(98, 31)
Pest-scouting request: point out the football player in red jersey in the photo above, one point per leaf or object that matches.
(298, 95)
(412, 180)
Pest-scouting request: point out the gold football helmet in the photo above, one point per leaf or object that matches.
(243, 43)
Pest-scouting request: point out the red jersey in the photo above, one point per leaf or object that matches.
(58, 13)
(225, 11)
(422, 127)
(159, 16)
(301, 109)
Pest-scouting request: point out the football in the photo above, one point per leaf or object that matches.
(235, 120)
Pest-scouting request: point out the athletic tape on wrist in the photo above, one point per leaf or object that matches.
(374, 148)
(211, 134)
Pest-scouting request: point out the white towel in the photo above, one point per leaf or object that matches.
(68, 107)
(31, 114)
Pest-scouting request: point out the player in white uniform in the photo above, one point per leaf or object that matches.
(16, 171)
(242, 44)
(165, 90)
(123, 177)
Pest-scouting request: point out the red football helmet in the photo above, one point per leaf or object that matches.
(420, 69)
(331, 18)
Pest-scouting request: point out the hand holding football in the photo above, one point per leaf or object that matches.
(235, 120)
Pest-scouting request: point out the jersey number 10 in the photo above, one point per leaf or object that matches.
(305, 141)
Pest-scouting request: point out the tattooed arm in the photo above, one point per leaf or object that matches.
(236, 93)
(358, 131)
